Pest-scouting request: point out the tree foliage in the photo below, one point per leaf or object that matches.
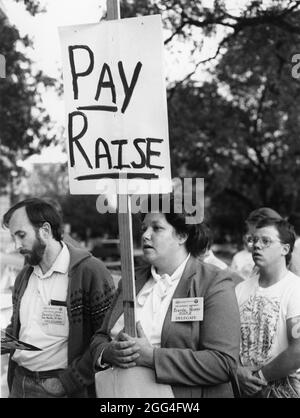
(23, 120)
(81, 212)
(239, 129)
(47, 180)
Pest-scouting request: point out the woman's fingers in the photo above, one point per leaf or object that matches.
(121, 345)
(126, 365)
(124, 353)
(129, 351)
(139, 330)
(128, 359)
(122, 336)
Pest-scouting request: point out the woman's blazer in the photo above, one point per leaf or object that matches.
(196, 358)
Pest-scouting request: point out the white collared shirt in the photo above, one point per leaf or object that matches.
(152, 303)
(36, 329)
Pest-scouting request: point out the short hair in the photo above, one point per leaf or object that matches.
(55, 203)
(38, 212)
(285, 230)
(294, 219)
(198, 237)
(262, 213)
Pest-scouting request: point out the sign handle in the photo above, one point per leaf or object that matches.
(125, 228)
(113, 9)
(127, 263)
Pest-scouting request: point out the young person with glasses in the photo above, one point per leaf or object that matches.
(269, 306)
(242, 261)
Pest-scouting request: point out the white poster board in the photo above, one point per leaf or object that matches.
(116, 107)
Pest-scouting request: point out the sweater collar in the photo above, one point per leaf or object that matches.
(77, 255)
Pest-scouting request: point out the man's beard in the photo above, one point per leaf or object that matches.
(35, 256)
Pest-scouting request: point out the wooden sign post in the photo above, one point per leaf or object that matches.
(125, 229)
(113, 9)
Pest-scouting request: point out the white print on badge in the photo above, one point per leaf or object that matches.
(187, 309)
(53, 315)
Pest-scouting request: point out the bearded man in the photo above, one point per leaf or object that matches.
(59, 300)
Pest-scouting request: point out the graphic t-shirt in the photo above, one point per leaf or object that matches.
(264, 312)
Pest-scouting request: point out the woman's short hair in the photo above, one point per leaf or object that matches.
(38, 212)
(199, 237)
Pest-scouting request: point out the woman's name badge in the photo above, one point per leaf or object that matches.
(187, 309)
(53, 315)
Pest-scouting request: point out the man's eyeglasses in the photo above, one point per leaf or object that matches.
(265, 242)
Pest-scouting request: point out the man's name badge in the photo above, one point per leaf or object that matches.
(53, 315)
(187, 309)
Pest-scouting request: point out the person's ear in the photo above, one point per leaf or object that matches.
(285, 249)
(45, 230)
(182, 238)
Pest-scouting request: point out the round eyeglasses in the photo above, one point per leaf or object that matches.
(264, 242)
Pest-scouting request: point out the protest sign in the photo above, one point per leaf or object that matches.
(116, 107)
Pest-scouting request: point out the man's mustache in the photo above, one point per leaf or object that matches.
(24, 252)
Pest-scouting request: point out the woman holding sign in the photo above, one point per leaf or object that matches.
(187, 321)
